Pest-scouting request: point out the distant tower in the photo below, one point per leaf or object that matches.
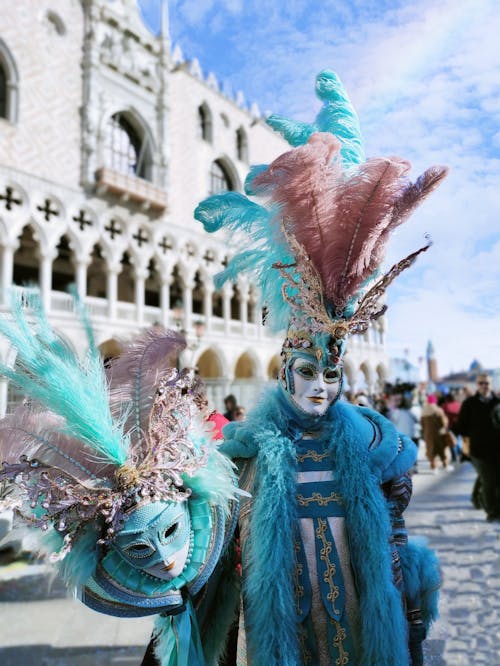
(432, 370)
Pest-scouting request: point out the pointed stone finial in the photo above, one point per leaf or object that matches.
(240, 98)
(165, 21)
(195, 68)
(177, 55)
(212, 81)
(255, 110)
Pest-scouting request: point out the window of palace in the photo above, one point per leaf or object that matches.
(220, 181)
(9, 84)
(3, 92)
(125, 150)
(205, 123)
(241, 145)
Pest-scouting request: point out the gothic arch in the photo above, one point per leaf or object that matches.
(9, 85)
(205, 122)
(127, 120)
(109, 349)
(210, 364)
(223, 176)
(273, 367)
(246, 366)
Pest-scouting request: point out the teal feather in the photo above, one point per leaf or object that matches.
(266, 246)
(52, 374)
(232, 211)
(295, 132)
(336, 116)
(248, 186)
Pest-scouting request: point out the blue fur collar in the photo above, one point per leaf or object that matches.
(270, 434)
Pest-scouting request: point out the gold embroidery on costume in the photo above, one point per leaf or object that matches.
(313, 455)
(331, 569)
(338, 643)
(318, 497)
(306, 655)
(297, 572)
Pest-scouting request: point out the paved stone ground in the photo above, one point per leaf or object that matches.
(40, 627)
(468, 631)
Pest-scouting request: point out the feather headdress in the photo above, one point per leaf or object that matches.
(317, 241)
(86, 448)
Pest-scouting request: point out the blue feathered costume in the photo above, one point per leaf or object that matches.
(329, 575)
(370, 462)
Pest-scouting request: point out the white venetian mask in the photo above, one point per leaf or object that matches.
(316, 386)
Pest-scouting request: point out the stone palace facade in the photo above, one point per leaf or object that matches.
(108, 140)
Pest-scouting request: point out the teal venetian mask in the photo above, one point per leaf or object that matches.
(156, 539)
(162, 547)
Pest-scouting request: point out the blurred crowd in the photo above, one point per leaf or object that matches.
(453, 425)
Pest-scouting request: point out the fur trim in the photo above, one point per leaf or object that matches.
(422, 578)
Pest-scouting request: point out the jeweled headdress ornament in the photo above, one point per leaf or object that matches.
(114, 470)
(316, 244)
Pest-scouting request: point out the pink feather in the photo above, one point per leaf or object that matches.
(39, 434)
(134, 376)
(343, 220)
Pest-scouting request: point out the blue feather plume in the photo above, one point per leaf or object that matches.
(337, 116)
(266, 246)
(53, 375)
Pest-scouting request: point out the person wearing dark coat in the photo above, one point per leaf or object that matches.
(477, 421)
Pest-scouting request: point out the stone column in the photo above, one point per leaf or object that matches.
(141, 274)
(187, 301)
(46, 277)
(227, 293)
(7, 271)
(112, 289)
(244, 296)
(81, 266)
(166, 281)
(208, 293)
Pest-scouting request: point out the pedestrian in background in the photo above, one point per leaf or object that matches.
(434, 427)
(451, 407)
(230, 406)
(239, 413)
(477, 420)
(405, 421)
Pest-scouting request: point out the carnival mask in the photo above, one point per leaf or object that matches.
(156, 539)
(313, 386)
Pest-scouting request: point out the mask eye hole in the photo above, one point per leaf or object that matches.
(306, 371)
(139, 550)
(170, 531)
(331, 375)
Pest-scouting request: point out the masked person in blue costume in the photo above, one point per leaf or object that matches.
(117, 477)
(329, 574)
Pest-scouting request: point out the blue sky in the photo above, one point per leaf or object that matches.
(425, 79)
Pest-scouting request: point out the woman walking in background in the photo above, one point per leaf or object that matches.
(434, 427)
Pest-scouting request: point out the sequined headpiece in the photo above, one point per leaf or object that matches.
(86, 447)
